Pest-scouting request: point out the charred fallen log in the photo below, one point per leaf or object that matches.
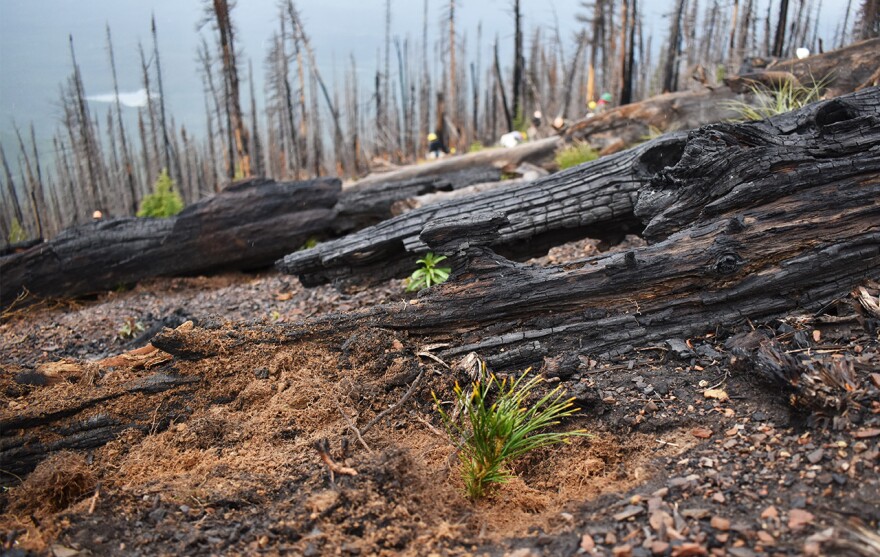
(374, 195)
(752, 220)
(246, 226)
(594, 200)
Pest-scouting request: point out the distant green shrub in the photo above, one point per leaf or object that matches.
(576, 154)
(16, 232)
(476, 147)
(164, 201)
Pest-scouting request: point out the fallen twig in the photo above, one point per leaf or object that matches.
(397, 404)
(353, 427)
(323, 448)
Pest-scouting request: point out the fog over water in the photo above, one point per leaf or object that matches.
(35, 58)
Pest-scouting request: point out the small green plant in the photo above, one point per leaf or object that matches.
(429, 273)
(164, 201)
(16, 232)
(475, 147)
(770, 101)
(492, 435)
(575, 154)
(130, 328)
(311, 242)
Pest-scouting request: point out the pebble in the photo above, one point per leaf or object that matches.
(587, 543)
(659, 548)
(622, 551)
(720, 523)
(815, 456)
(629, 512)
(770, 512)
(799, 518)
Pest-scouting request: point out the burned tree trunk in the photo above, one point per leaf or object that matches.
(751, 221)
(375, 194)
(248, 225)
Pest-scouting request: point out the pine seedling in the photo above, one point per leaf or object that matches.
(493, 434)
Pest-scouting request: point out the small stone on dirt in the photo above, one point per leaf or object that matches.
(815, 456)
(622, 551)
(720, 523)
(770, 512)
(629, 512)
(659, 548)
(799, 518)
(689, 549)
(587, 543)
(701, 432)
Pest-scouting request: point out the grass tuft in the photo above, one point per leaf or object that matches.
(575, 154)
(771, 101)
(493, 434)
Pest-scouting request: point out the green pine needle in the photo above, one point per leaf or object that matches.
(495, 434)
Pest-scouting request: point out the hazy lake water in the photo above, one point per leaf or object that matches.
(35, 59)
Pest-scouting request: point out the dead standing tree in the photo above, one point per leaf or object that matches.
(220, 9)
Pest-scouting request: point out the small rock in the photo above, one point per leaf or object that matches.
(766, 538)
(629, 512)
(720, 523)
(759, 416)
(741, 552)
(689, 549)
(661, 387)
(659, 548)
(770, 512)
(659, 519)
(799, 518)
(587, 543)
(679, 349)
(610, 538)
(61, 551)
(622, 551)
(695, 513)
(261, 373)
(701, 432)
(522, 552)
(718, 497)
(815, 456)
(184, 509)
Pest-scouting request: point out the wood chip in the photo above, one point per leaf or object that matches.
(718, 394)
(866, 433)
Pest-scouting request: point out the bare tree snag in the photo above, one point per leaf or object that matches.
(751, 221)
(594, 199)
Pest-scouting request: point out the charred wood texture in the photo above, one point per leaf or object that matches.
(595, 199)
(248, 225)
(751, 221)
